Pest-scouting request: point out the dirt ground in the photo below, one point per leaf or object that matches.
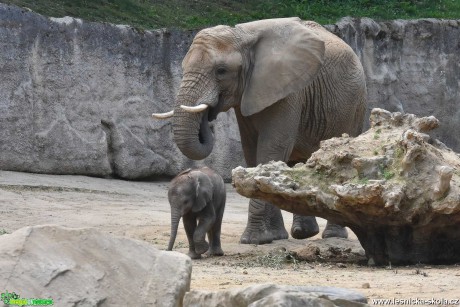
(140, 210)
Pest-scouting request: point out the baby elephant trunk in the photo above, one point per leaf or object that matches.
(175, 218)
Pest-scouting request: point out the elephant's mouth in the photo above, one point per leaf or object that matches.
(207, 123)
(206, 132)
(213, 112)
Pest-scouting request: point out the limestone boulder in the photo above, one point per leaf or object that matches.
(84, 267)
(276, 295)
(396, 187)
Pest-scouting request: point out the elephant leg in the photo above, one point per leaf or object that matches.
(199, 237)
(215, 248)
(276, 227)
(265, 224)
(269, 136)
(190, 226)
(334, 230)
(304, 227)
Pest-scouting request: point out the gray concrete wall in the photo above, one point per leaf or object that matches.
(76, 96)
(411, 66)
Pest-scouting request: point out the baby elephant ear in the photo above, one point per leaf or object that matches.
(203, 193)
(286, 57)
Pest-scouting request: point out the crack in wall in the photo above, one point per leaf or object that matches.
(107, 127)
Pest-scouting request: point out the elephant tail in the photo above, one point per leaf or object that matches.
(175, 218)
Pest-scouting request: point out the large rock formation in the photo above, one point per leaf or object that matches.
(276, 295)
(394, 186)
(84, 267)
(76, 96)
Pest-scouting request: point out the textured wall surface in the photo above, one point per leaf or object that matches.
(76, 97)
(412, 66)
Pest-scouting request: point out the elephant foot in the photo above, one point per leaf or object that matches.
(263, 237)
(256, 237)
(201, 247)
(193, 255)
(265, 224)
(334, 231)
(215, 251)
(304, 227)
(277, 229)
(280, 234)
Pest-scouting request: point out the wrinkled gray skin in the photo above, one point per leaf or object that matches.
(198, 196)
(291, 83)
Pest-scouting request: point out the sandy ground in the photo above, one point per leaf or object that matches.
(140, 210)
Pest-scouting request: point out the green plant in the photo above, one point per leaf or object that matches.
(385, 172)
(377, 133)
(388, 175)
(3, 232)
(275, 260)
(399, 152)
(297, 176)
(154, 14)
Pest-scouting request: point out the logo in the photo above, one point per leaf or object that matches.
(14, 299)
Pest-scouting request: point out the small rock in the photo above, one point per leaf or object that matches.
(366, 285)
(276, 295)
(245, 272)
(308, 253)
(341, 265)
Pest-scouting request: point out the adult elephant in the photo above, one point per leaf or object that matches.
(291, 83)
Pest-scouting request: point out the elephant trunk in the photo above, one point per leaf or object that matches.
(175, 218)
(192, 132)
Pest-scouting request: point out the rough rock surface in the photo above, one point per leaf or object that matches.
(276, 295)
(394, 186)
(337, 250)
(84, 267)
(76, 96)
(411, 66)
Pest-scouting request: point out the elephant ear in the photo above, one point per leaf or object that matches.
(286, 56)
(203, 193)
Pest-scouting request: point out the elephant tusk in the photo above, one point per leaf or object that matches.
(163, 115)
(195, 109)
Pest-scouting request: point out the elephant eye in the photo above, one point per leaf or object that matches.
(221, 71)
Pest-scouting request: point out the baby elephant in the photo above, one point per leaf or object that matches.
(198, 195)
